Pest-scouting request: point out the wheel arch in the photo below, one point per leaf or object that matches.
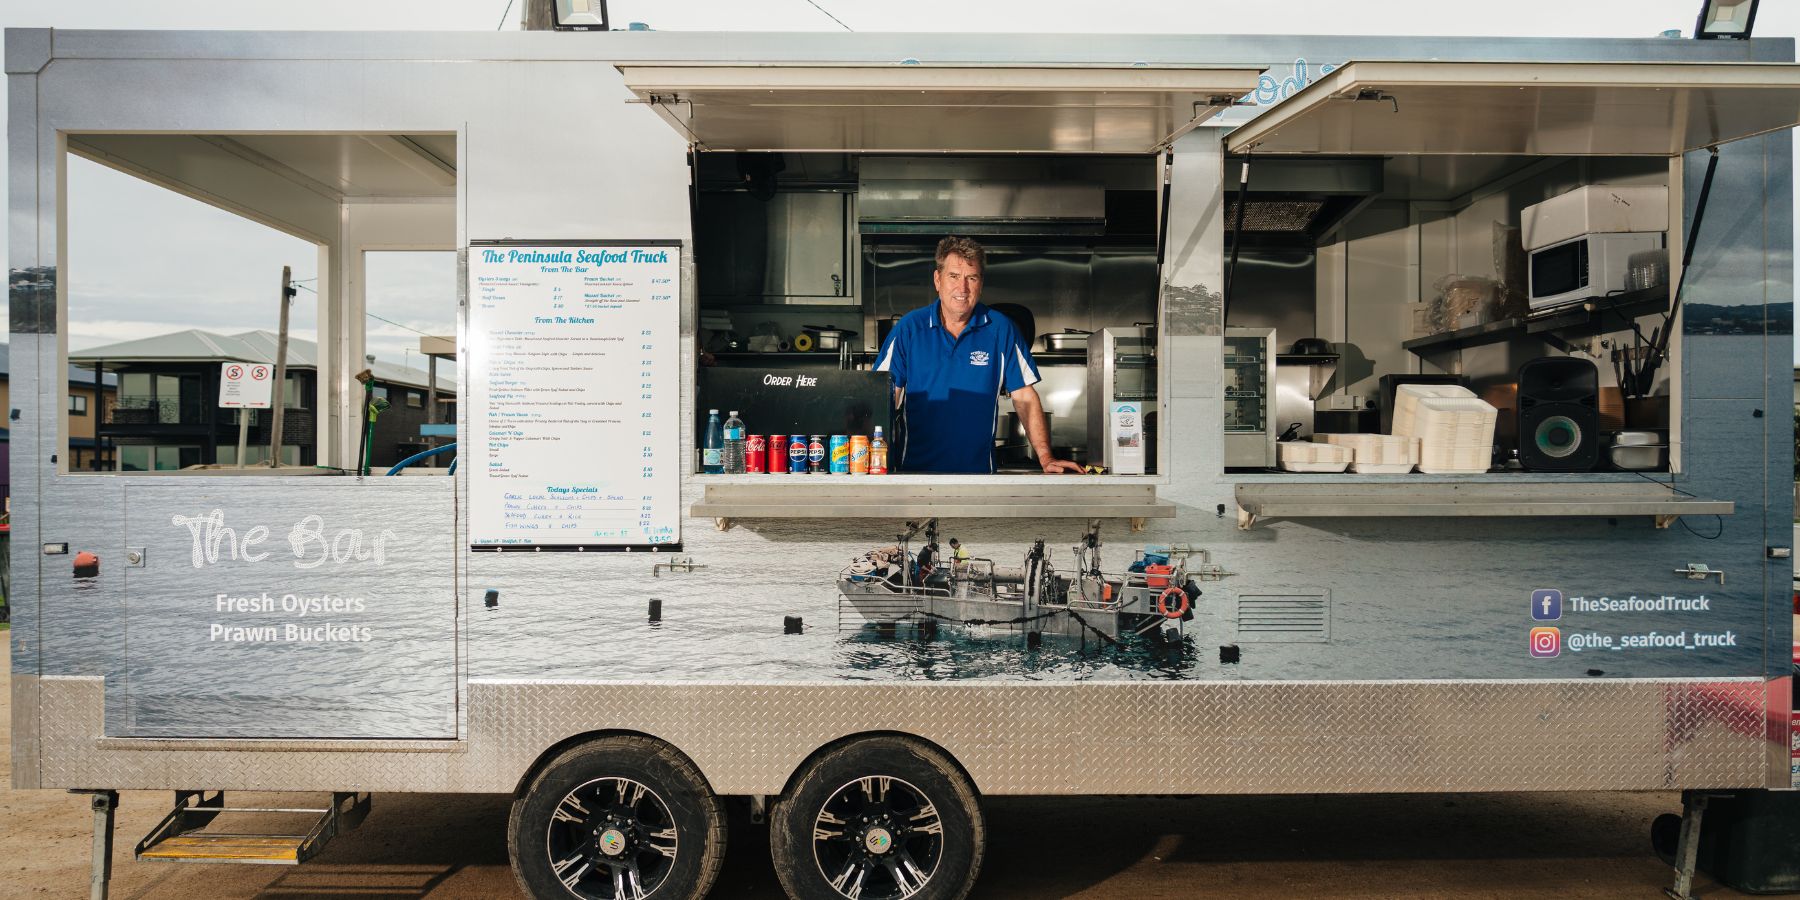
(957, 764)
(557, 749)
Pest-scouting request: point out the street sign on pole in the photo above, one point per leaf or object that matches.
(245, 386)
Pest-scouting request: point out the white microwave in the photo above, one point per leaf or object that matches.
(1585, 267)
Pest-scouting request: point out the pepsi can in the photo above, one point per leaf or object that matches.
(797, 453)
(815, 454)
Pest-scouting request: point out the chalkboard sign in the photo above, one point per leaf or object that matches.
(574, 395)
(808, 401)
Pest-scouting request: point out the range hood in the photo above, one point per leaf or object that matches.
(897, 195)
(1301, 198)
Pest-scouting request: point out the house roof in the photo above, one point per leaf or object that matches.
(77, 374)
(194, 345)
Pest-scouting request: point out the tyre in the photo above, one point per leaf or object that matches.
(620, 818)
(879, 819)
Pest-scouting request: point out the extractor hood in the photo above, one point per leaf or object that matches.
(978, 197)
(1301, 198)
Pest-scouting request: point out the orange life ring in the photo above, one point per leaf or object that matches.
(1162, 603)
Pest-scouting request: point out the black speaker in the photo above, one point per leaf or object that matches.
(1559, 414)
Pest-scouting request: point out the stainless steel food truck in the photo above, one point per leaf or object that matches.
(1424, 390)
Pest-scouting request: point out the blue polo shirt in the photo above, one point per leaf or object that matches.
(953, 385)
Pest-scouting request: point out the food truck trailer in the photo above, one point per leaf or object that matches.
(1555, 275)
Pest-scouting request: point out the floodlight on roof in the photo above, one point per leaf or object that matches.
(1725, 19)
(581, 15)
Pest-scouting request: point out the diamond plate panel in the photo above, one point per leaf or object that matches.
(1118, 738)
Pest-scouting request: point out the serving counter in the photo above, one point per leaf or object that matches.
(729, 497)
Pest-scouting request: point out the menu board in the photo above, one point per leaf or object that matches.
(574, 395)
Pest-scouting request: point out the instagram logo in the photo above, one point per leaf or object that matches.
(1546, 642)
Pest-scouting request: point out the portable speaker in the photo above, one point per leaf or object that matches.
(1559, 414)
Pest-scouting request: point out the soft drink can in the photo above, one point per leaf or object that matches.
(778, 454)
(756, 448)
(840, 454)
(815, 454)
(797, 454)
(859, 454)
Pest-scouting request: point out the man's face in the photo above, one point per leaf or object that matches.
(958, 285)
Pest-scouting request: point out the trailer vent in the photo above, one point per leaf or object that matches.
(1284, 618)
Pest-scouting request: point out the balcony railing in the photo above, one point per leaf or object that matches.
(149, 410)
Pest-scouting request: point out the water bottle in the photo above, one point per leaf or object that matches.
(878, 449)
(712, 448)
(734, 445)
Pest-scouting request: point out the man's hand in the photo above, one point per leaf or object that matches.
(1030, 408)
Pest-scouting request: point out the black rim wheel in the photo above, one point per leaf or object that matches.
(612, 839)
(878, 838)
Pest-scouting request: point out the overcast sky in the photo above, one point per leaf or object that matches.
(129, 241)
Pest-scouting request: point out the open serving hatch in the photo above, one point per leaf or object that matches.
(1527, 108)
(933, 108)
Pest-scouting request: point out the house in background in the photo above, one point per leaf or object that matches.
(88, 402)
(167, 415)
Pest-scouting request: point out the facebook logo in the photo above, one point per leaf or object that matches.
(1546, 604)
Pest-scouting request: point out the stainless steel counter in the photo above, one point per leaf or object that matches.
(947, 496)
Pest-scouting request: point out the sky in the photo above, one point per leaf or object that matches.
(129, 240)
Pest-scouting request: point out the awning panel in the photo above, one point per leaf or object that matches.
(914, 108)
(1528, 108)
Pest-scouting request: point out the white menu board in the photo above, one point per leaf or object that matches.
(574, 395)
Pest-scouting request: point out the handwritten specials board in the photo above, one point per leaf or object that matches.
(574, 395)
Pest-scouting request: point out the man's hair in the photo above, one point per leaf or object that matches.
(963, 247)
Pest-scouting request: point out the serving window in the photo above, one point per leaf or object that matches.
(1453, 316)
(806, 262)
(1516, 244)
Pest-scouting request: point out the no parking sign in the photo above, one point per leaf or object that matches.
(245, 385)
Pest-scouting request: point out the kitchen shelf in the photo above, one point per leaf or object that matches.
(1347, 497)
(1304, 359)
(1591, 313)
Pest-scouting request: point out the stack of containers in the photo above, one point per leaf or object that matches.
(1454, 427)
(1305, 456)
(1378, 454)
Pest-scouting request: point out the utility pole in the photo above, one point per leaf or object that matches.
(280, 405)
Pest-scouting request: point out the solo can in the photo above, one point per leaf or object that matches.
(756, 447)
(840, 454)
(815, 454)
(778, 454)
(859, 454)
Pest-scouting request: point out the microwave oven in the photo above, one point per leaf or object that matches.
(1585, 267)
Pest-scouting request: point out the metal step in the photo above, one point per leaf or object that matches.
(179, 838)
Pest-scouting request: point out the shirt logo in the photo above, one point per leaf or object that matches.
(978, 358)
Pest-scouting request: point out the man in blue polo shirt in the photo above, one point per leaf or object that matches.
(950, 361)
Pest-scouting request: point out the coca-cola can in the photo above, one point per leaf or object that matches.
(778, 454)
(756, 447)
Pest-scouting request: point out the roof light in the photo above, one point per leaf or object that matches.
(581, 15)
(1726, 19)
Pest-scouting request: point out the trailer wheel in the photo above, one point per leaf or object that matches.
(620, 818)
(879, 819)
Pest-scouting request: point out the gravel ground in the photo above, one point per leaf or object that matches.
(441, 846)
